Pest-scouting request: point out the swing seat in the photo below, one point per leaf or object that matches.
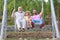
(37, 23)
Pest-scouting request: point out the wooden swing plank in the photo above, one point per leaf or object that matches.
(29, 35)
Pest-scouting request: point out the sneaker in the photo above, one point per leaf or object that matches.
(19, 30)
(23, 30)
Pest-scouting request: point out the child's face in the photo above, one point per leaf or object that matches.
(27, 14)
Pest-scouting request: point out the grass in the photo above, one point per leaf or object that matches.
(24, 39)
(11, 39)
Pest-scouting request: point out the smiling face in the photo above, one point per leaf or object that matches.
(19, 9)
(34, 11)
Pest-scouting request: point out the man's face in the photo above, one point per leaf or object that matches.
(20, 9)
(34, 11)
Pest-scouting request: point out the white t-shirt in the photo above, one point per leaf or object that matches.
(19, 16)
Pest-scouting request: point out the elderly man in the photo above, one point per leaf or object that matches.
(19, 17)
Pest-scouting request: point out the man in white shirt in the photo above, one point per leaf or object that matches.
(19, 18)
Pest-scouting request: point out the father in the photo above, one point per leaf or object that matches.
(19, 17)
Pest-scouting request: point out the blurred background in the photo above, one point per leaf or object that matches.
(29, 5)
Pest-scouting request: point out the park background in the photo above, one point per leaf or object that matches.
(29, 5)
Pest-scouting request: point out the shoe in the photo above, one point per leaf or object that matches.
(28, 28)
(23, 30)
(19, 30)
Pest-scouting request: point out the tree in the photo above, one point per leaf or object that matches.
(57, 9)
(27, 5)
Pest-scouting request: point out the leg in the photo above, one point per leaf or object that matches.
(18, 24)
(32, 24)
(42, 25)
(23, 23)
(27, 24)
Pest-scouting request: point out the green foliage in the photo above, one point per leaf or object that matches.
(1, 7)
(57, 7)
(47, 9)
(26, 4)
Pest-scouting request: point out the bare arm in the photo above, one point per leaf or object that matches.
(41, 13)
(13, 13)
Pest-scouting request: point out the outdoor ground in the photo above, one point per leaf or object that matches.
(33, 39)
(29, 36)
(33, 34)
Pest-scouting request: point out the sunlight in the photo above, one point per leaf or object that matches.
(46, 0)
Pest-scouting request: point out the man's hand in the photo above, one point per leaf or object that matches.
(14, 10)
(13, 13)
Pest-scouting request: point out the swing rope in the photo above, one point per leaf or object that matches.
(42, 7)
(14, 18)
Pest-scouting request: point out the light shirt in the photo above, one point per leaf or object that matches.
(26, 18)
(19, 16)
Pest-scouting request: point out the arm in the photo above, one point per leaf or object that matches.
(13, 13)
(30, 18)
(41, 13)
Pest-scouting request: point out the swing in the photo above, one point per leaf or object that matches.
(33, 24)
